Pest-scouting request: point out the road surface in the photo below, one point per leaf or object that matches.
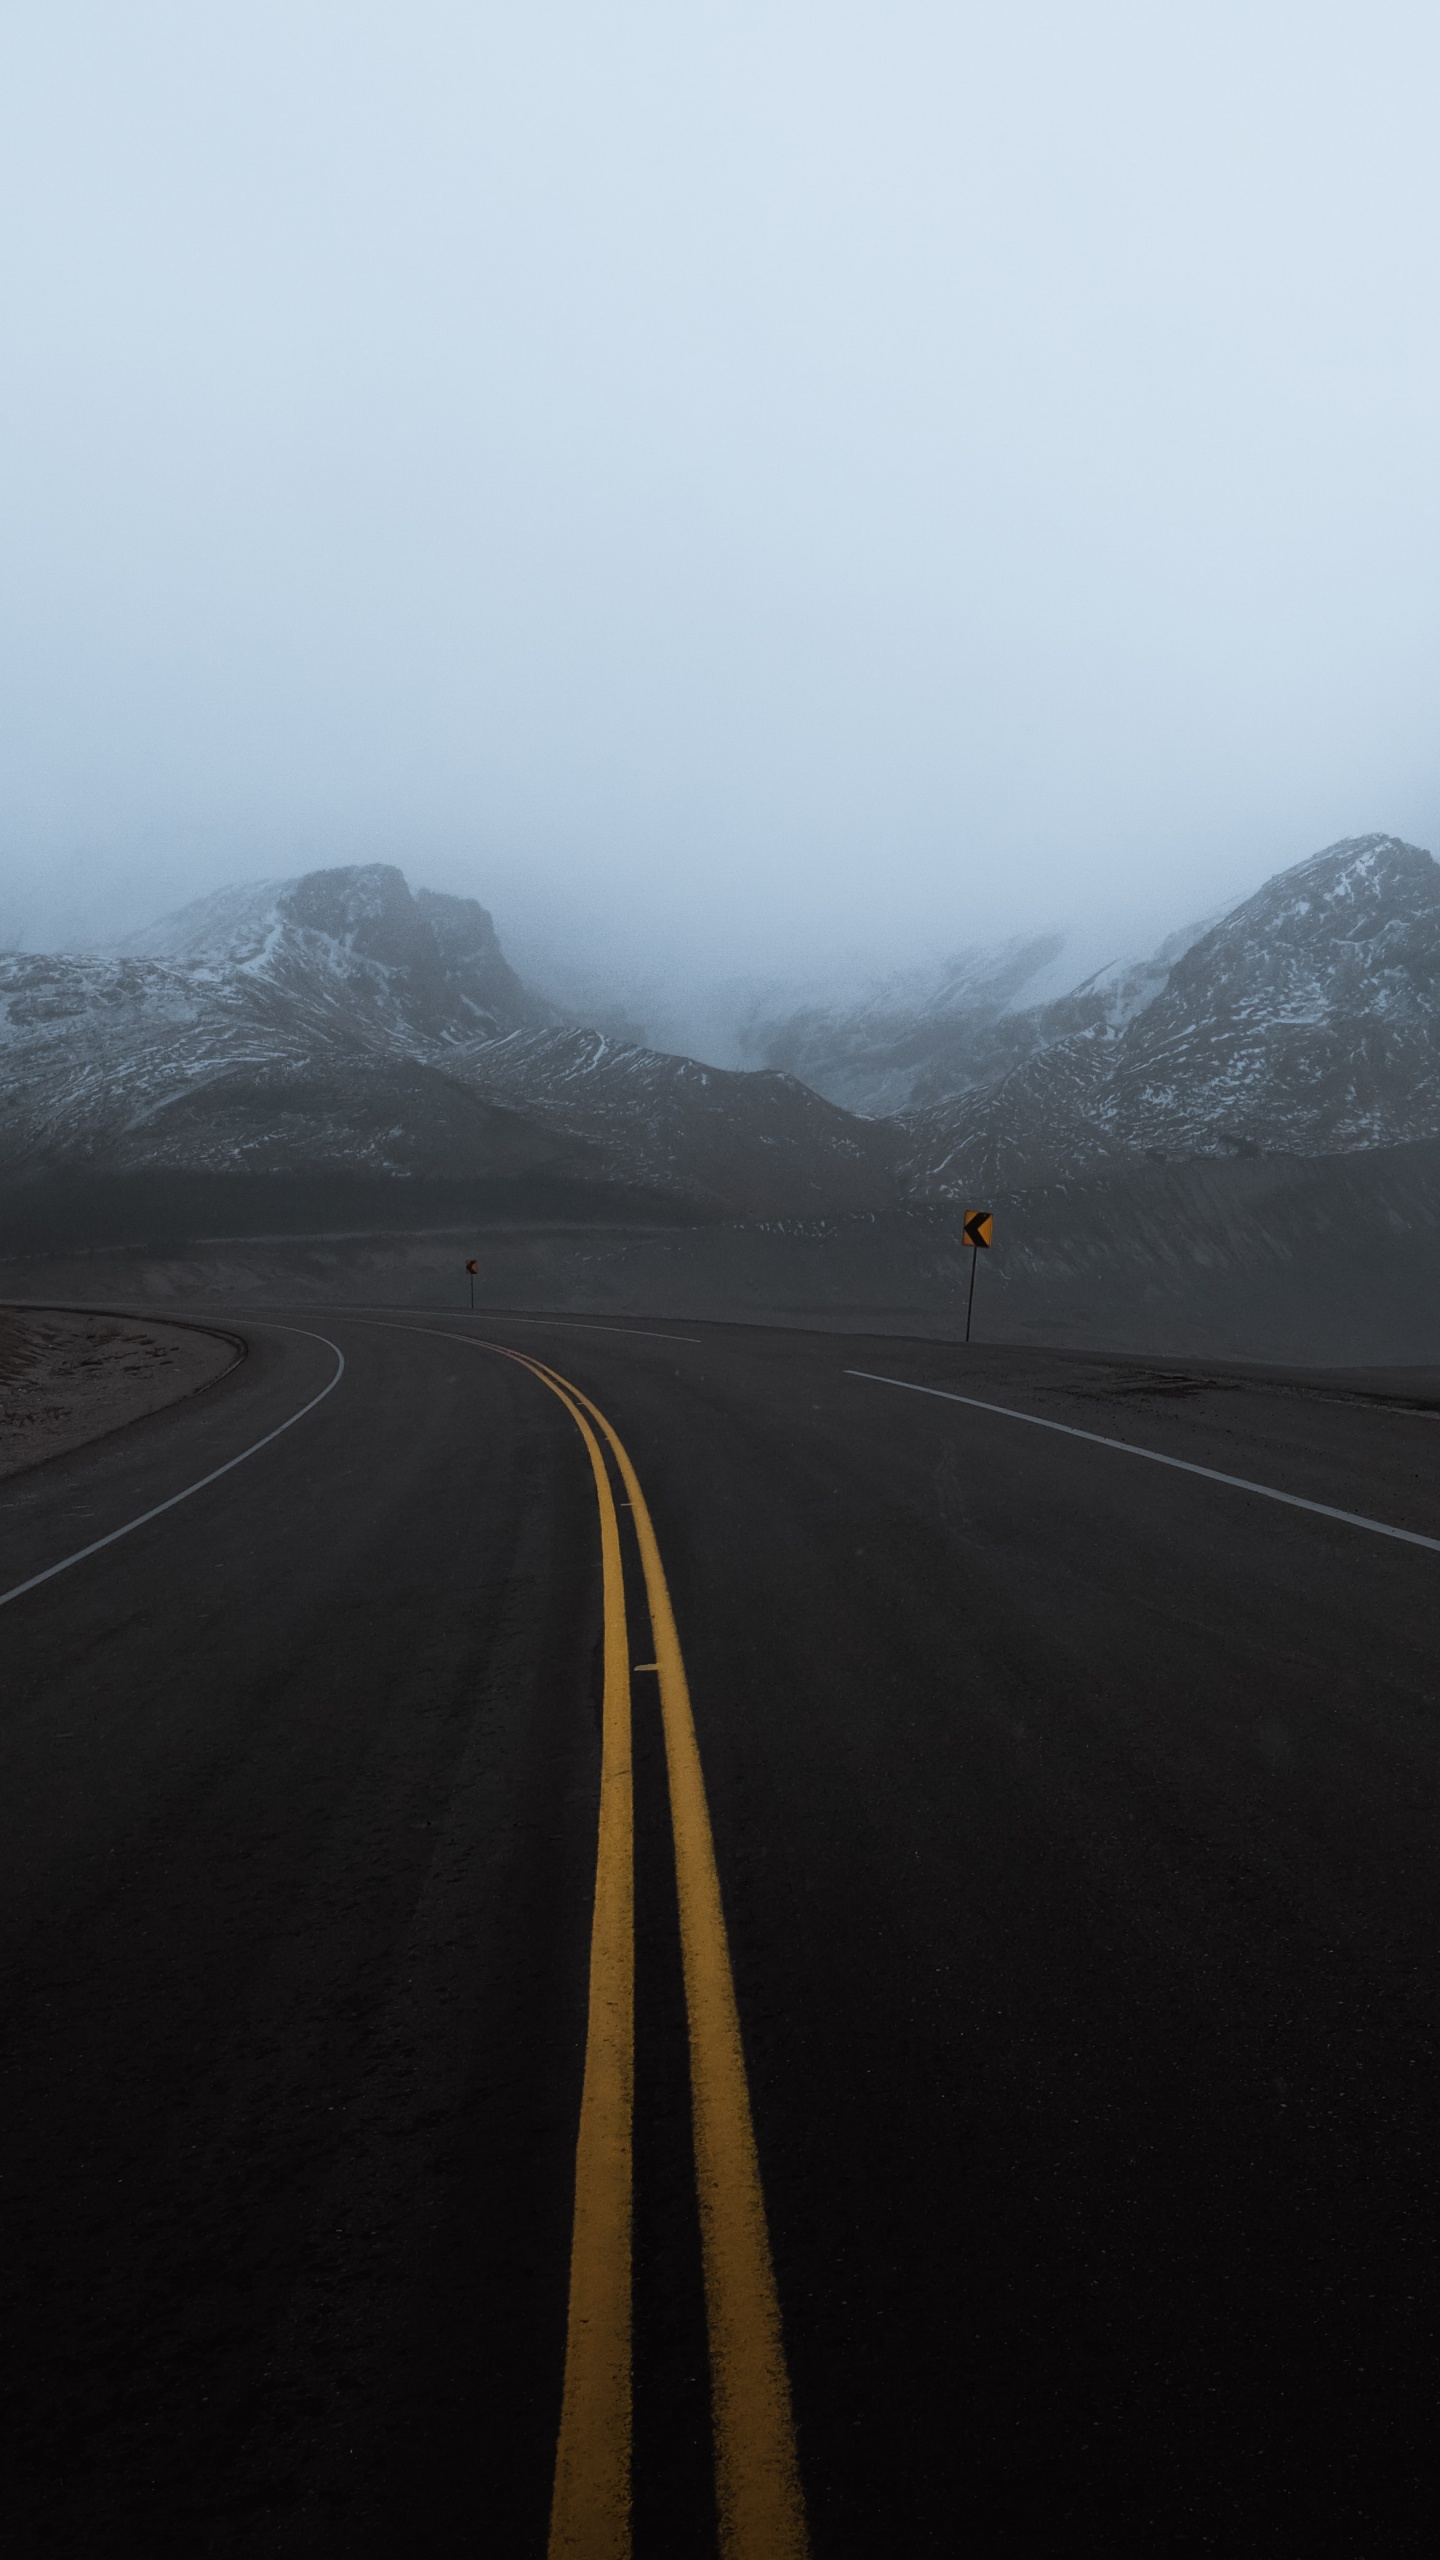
(1074, 1882)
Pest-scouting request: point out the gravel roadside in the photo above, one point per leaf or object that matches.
(69, 1375)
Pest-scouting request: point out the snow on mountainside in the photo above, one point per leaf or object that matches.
(351, 953)
(293, 1024)
(340, 1022)
(918, 1042)
(1307, 1021)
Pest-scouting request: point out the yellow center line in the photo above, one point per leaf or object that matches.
(761, 2504)
(590, 2501)
(590, 2504)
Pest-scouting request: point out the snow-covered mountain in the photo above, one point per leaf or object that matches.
(293, 1024)
(351, 954)
(343, 1023)
(1306, 1021)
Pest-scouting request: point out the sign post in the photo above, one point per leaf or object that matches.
(472, 1268)
(976, 1231)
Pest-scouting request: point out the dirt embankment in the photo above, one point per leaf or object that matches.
(68, 1376)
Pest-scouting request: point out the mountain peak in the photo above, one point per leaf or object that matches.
(368, 908)
(1359, 858)
(421, 960)
(1360, 872)
(341, 1022)
(1372, 895)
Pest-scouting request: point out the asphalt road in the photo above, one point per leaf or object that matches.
(1075, 1821)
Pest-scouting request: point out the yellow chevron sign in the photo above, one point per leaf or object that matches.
(978, 1223)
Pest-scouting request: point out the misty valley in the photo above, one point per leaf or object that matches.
(342, 1074)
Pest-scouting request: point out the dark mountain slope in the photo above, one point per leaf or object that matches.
(328, 1113)
(752, 1145)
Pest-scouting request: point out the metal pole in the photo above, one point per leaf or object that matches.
(970, 1301)
(472, 1293)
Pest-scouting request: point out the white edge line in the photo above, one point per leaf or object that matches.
(201, 1481)
(1187, 1466)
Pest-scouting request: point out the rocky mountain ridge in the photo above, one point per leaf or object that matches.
(351, 954)
(917, 1041)
(1307, 1022)
(343, 1023)
(341, 1028)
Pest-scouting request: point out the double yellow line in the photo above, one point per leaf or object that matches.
(761, 2507)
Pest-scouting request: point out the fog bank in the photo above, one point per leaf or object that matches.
(748, 489)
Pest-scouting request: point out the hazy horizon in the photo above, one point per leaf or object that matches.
(762, 492)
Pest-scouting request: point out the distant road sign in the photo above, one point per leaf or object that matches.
(978, 1223)
(473, 1267)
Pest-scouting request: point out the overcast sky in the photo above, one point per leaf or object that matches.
(733, 483)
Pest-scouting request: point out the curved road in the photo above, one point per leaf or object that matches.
(1074, 1822)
